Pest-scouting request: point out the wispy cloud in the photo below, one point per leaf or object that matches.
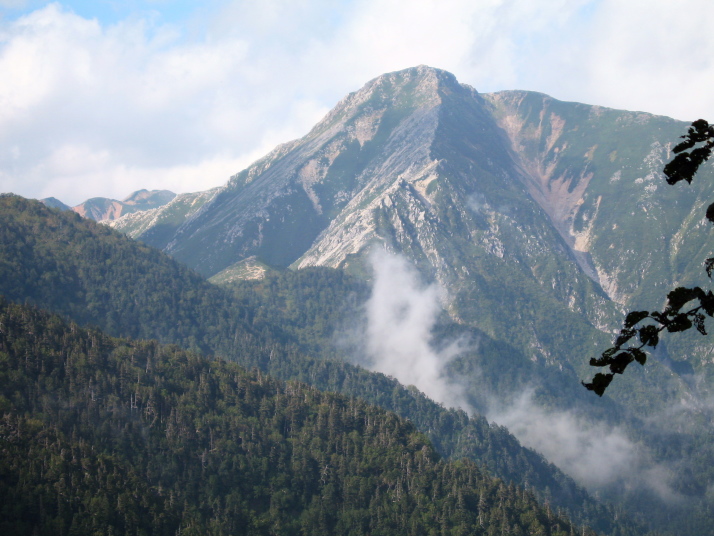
(397, 340)
(595, 454)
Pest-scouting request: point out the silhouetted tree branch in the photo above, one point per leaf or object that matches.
(642, 328)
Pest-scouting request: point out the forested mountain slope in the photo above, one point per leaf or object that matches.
(114, 436)
(97, 276)
(540, 220)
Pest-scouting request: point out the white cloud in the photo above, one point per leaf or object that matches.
(12, 4)
(401, 313)
(655, 56)
(144, 99)
(88, 110)
(595, 454)
(400, 316)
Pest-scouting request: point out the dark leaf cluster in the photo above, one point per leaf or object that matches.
(635, 336)
(690, 155)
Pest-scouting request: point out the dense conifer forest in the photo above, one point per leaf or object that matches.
(112, 436)
(96, 276)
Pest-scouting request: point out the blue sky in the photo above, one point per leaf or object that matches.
(102, 98)
(112, 11)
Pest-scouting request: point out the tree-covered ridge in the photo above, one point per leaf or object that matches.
(307, 306)
(104, 435)
(96, 276)
(310, 307)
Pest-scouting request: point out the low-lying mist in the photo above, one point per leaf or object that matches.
(596, 455)
(398, 340)
(396, 337)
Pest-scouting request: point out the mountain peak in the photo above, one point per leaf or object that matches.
(53, 202)
(415, 160)
(421, 74)
(375, 145)
(420, 86)
(420, 80)
(149, 198)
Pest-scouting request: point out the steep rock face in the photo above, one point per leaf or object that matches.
(538, 149)
(595, 172)
(450, 195)
(277, 207)
(400, 167)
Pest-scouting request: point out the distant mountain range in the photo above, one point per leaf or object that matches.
(102, 208)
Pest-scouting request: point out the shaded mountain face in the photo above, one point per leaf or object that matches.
(103, 209)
